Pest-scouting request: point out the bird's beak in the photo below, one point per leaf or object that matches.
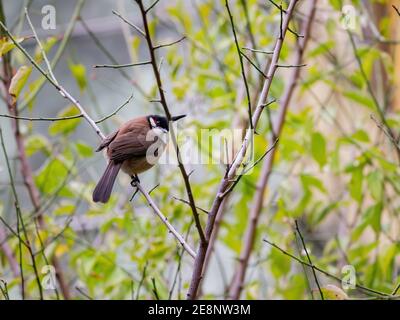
(178, 117)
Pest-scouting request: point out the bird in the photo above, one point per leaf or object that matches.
(135, 147)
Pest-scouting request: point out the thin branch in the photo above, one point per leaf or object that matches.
(164, 104)
(116, 110)
(93, 124)
(117, 66)
(397, 9)
(49, 68)
(164, 220)
(257, 51)
(246, 85)
(68, 117)
(363, 288)
(66, 37)
(20, 219)
(309, 260)
(292, 65)
(197, 273)
(140, 31)
(385, 131)
(187, 202)
(378, 108)
(253, 64)
(152, 6)
(170, 43)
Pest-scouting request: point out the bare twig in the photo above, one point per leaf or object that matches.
(166, 222)
(67, 35)
(140, 31)
(69, 117)
(170, 43)
(117, 66)
(358, 286)
(309, 259)
(257, 51)
(239, 52)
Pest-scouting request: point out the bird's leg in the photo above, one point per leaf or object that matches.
(134, 182)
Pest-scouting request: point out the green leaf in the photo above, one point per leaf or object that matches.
(360, 98)
(373, 216)
(36, 143)
(355, 185)
(83, 149)
(360, 135)
(375, 184)
(310, 181)
(79, 73)
(318, 148)
(18, 81)
(51, 177)
(65, 126)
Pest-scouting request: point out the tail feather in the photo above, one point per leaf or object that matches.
(104, 187)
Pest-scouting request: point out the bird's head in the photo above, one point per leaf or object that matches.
(160, 122)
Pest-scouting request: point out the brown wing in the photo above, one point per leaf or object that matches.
(130, 143)
(107, 140)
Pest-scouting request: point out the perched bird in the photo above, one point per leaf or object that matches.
(134, 148)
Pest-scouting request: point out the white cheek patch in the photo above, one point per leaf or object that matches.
(161, 134)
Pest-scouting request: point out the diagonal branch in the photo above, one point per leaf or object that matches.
(226, 181)
(258, 200)
(84, 114)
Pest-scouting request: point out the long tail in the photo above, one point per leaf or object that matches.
(104, 187)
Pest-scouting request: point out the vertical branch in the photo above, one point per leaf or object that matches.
(225, 183)
(250, 233)
(26, 169)
(21, 223)
(239, 52)
(164, 104)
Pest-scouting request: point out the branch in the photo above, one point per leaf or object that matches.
(84, 114)
(164, 104)
(170, 43)
(117, 66)
(246, 85)
(258, 200)
(309, 259)
(166, 222)
(225, 182)
(358, 286)
(21, 222)
(67, 35)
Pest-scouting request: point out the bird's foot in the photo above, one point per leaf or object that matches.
(134, 183)
(135, 180)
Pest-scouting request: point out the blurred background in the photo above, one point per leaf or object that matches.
(326, 194)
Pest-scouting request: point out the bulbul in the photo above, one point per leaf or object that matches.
(132, 148)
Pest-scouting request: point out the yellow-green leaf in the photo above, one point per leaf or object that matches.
(6, 45)
(18, 81)
(332, 292)
(79, 73)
